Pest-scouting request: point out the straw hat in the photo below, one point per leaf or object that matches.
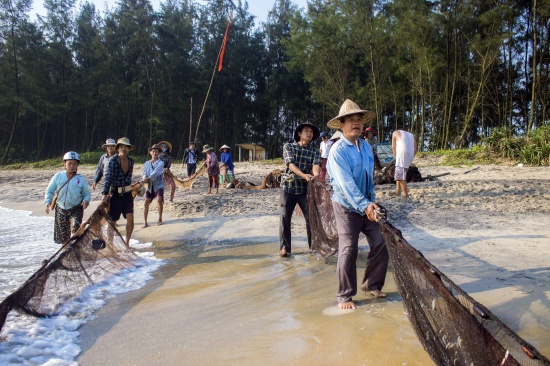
(349, 107)
(155, 146)
(299, 128)
(336, 135)
(207, 148)
(109, 142)
(224, 147)
(168, 145)
(124, 141)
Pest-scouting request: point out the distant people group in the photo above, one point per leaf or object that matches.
(68, 194)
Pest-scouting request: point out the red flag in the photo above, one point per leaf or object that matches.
(223, 45)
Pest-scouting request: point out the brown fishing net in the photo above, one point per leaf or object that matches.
(324, 237)
(96, 251)
(453, 328)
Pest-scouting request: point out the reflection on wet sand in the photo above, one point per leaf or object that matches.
(241, 304)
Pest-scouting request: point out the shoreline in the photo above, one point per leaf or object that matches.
(486, 230)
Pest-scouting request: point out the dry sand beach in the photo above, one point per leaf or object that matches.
(223, 295)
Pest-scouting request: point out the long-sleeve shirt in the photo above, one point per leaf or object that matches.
(71, 194)
(227, 160)
(190, 156)
(212, 163)
(101, 167)
(304, 157)
(166, 159)
(351, 173)
(154, 171)
(114, 175)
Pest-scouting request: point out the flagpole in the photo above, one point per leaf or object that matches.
(222, 48)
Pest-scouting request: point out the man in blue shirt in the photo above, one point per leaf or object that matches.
(303, 164)
(153, 175)
(351, 169)
(190, 157)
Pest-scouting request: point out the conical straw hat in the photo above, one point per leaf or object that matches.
(349, 107)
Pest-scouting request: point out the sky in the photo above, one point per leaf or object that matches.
(259, 8)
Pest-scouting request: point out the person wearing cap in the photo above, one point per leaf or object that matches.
(302, 160)
(109, 145)
(166, 157)
(403, 145)
(153, 174)
(72, 197)
(370, 136)
(227, 160)
(212, 168)
(190, 158)
(351, 170)
(324, 155)
(118, 185)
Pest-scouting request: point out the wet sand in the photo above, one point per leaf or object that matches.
(225, 297)
(226, 301)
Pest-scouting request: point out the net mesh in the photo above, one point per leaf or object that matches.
(95, 252)
(453, 328)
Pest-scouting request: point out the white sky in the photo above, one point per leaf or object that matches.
(259, 8)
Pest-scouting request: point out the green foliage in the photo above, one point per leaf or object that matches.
(533, 149)
(469, 157)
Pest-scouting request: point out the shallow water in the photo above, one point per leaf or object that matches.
(231, 303)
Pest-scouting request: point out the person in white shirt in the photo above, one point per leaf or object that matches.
(324, 155)
(403, 145)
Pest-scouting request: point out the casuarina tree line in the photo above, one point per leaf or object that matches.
(450, 71)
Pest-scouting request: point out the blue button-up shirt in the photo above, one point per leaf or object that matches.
(155, 173)
(352, 174)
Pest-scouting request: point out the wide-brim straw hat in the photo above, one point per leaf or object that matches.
(348, 108)
(109, 142)
(224, 147)
(124, 141)
(207, 148)
(168, 145)
(155, 146)
(336, 135)
(300, 127)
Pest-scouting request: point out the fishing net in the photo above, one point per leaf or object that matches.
(94, 253)
(453, 328)
(324, 237)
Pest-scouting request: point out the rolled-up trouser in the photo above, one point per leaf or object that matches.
(287, 203)
(349, 224)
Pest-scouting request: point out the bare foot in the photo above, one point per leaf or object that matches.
(159, 223)
(378, 294)
(348, 305)
(283, 252)
(145, 225)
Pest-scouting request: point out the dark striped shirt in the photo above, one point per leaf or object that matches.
(304, 158)
(114, 176)
(166, 159)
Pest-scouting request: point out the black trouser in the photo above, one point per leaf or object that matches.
(288, 202)
(191, 168)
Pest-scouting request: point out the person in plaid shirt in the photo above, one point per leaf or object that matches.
(302, 159)
(118, 185)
